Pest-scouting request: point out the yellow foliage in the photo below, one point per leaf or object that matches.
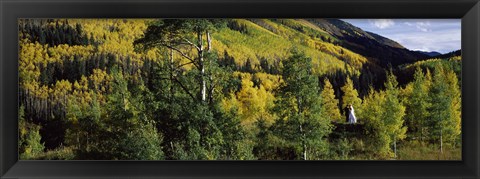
(275, 45)
(253, 103)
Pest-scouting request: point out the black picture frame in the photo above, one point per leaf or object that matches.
(467, 10)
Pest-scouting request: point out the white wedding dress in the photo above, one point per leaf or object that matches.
(351, 117)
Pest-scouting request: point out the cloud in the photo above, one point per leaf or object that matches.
(423, 26)
(442, 35)
(442, 41)
(382, 23)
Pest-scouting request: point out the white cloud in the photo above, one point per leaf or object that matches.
(382, 23)
(442, 41)
(423, 26)
(442, 35)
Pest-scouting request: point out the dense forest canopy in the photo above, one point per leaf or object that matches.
(230, 89)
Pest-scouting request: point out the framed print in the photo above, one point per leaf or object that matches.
(247, 89)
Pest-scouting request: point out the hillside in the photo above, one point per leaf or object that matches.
(334, 41)
(451, 61)
(381, 50)
(258, 42)
(449, 55)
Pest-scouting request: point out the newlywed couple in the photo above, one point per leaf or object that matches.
(350, 114)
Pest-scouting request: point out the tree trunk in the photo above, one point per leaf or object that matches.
(203, 85)
(171, 74)
(211, 90)
(395, 147)
(88, 146)
(421, 133)
(441, 141)
(209, 40)
(304, 149)
(304, 144)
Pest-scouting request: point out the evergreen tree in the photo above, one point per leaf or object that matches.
(264, 146)
(236, 145)
(127, 133)
(190, 127)
(301, 123)
(175, 33)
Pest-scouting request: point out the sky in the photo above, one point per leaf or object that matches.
(440, 35)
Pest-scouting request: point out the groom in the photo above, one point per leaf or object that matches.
(347, 112)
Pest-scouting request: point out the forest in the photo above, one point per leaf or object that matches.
(230, 89)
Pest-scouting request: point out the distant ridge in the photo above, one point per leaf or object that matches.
(431, 54)
(450, 54)
(382, 50)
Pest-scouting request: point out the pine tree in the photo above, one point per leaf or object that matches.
(301, 123)
(329, 103)
(190, 128)
(127, 132)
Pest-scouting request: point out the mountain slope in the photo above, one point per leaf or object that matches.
(257, 43)
(450, 54)
(380, 49)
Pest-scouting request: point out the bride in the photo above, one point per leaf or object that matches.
(351, 117)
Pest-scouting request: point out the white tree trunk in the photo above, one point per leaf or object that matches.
(203, 85)
(304, 144)
(441, 141)
(395, 147)
(209, 40)
(305, 151)
(209, 48)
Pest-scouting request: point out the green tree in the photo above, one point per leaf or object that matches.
(264, 147)
(177, 35)
(126, 132)
(237, 143)
(193, 130)
(375, 127)
(444, 120)
(199, 137)
(418, 105)
(301, 123)
(29, 144)
(393, 112)
(452, 135)
(329, 103)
